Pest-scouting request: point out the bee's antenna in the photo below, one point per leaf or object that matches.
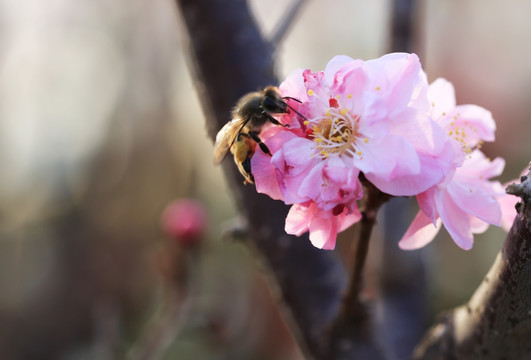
(292, 98)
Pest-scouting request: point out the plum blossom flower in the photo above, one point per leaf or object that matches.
(185, 221)
(465, 201)
(369, 117)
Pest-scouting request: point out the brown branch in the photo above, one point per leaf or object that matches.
(374, 200)
(230, 58)
(402, 29)
(496, 322)
(287, 21)
(352, 335)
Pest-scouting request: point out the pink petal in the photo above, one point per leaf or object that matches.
(317, 83)
(294, 158)
(432, 172)
(345, 220)
(477, 226)
(334, 66)
(312, 184)
(335, 169)
(476, 202)
(426, 201)
(293, 86)
(477, 121)
(264, 172)
(265, 176)
(392, 159)
(276, 136)
(441, 95)
(423, 133)
(394, 77)
(455, 220)
(351, 84)
(298, 219)
(323, 233)
(421, 232)
(478, 166)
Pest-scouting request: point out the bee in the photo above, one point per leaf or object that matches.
(240, 135)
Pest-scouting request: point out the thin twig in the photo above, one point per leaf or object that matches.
(287, 20)
(179, 267)
(352, 335)
(374, 200)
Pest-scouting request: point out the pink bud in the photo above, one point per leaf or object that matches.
(184, 220)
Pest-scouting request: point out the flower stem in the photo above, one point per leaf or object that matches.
(373, 201)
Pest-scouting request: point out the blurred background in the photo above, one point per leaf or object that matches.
(101, 128)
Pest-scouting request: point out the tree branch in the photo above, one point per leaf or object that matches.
(287, 21)
(353, 334)
(374, 200)
(230, 58)
(496, 322)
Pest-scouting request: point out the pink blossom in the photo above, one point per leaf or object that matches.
(323, 225)
(185, 221)
(368, 117)
(465, 201)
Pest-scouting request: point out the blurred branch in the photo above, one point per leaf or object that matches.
(402, 30)
(229, 58)
(496, 322)
(177, 265)
(287, 21)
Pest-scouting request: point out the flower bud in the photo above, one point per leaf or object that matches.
(185, 221)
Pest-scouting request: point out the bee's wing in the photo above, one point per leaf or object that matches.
(225, 138)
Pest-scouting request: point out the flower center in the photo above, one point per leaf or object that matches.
(335, 133)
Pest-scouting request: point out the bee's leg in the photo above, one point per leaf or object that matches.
(263, 146)
(246, 166)
(274, 121)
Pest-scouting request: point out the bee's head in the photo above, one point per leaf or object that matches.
(273, 102)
